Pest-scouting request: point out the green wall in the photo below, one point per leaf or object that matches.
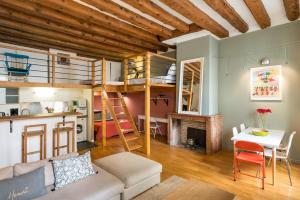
(281, 44)
(227, 77)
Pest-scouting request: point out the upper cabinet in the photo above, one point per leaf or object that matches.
(190, 86)
(9, 96)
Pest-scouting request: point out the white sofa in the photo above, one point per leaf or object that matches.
(105, 184)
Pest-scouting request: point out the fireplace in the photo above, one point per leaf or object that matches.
(198, 136)
(205, 130)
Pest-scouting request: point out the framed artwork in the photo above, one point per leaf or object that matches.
(265, 83)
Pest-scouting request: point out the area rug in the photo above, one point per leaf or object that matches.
(168, 189)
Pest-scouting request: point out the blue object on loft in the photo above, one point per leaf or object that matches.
(17, 64)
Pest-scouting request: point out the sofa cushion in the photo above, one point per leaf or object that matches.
(6, 172)
(23, 187)
(129, 168)
(72, 169)
(99, 186)
(23, 168)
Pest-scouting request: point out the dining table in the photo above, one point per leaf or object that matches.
(272, 140)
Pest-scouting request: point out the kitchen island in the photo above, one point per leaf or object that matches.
(11, 128)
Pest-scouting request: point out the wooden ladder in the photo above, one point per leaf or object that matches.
(129, 143)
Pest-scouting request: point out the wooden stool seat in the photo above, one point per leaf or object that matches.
(63, 127)
(42, 132)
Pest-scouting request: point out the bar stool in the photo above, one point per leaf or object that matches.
(63, 127)
(34, 131)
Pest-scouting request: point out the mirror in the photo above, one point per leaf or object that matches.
(191, 83)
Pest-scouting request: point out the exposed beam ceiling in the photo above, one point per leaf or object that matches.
(190, 11)
(259, 12)
(118, 28)
(150, 8)
(291, 9)
(74, 9)
(129, 16)
(227, 12)
(101, 48)
(52, 16)
(45, 24)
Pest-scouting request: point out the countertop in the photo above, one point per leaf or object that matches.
(47, 115)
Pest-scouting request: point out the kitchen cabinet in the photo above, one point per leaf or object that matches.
(9, 96)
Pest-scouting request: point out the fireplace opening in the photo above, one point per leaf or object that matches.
(196, 138)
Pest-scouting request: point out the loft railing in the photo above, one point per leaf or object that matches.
(46, 69)
(149, 68)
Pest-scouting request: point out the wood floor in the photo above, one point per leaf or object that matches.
(214, 169)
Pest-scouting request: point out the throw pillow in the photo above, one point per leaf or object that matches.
(24, 187)
(6, 172)
(72, 169)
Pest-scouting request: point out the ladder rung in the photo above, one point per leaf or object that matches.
(127, 130)
(114, 98)
(132, 139)
(135, 147)
(117, 106)
(123, 120)
(60, 147)
(121, 113)
(33, 152)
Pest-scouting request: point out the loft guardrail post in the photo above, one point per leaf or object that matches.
(53, 69)
(103, 102)
(125, 63)
(147, 104)
(93, 73)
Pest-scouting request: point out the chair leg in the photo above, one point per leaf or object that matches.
(269, 162)
(234, 169)
(288, 167)
(262, 177)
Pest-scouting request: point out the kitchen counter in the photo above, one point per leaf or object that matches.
(12, 128)
(38, 116)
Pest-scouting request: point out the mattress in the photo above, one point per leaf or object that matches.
(156, 79)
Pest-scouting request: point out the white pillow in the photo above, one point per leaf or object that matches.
(72, 169)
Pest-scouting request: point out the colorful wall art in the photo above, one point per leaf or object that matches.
(265, 83)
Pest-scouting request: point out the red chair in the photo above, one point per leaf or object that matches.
(249, 152)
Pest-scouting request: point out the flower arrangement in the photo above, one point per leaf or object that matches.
(263, 113)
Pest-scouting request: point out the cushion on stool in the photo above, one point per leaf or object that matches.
(129, 168)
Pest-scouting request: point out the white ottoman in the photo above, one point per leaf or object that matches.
(136, 172)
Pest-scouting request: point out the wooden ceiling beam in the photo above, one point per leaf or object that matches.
(130, 16)
(227, 12)
(192, 28)
(63, 37)
(291, 9)
(45, 46)
(150, 8)
(50, 41)
(36, 10)
(42, 23)
(89, 15)
(190, 11)
(259, 12)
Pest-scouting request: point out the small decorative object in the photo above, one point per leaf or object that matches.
(263, 113)
(63, 59)
(265, 61)
(49, 110)
(265, 83)
(260, 132)
(17, 65)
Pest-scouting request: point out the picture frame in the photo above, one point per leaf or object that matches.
(266, 83)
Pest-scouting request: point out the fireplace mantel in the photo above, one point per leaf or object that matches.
(213, 125)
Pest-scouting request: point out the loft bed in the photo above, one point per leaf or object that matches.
(158, 71)
(142, 73)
